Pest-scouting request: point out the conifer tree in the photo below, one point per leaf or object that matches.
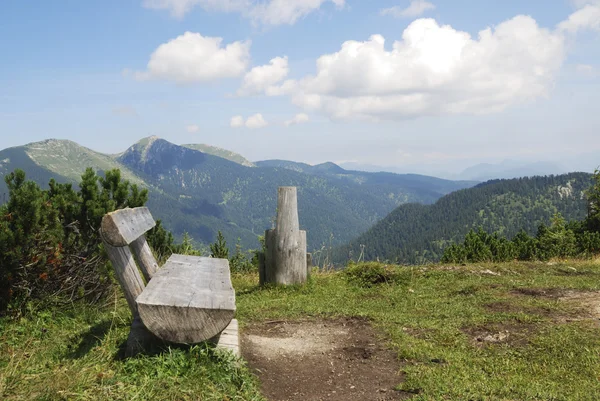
(593, 197)
(219, 248)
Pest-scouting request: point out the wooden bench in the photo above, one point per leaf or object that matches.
(189, 300)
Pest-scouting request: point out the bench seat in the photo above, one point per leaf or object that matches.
(189, 300)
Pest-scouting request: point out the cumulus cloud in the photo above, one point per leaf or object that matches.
(265, 77)
(253, 122)
(192, 128)
(298, 119)
(179, 8)
(434, 69)
(279, 12)
(192, 57)
(415, 9)
(271, 12)
(587, 17)
(582, 3)
(237, 122)
(256, 121)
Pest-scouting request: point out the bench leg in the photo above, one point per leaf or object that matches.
(229, 339)
(140, 338)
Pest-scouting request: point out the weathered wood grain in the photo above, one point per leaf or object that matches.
(229, 338)
(285, 253)
(140, 339)
(189, 300)
(287, 210)
(144, 257)
(122, 227)
(127, 274)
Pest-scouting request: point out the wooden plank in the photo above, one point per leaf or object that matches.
(189, 300)
(143, 255)
(122, 227)
(140, 339)
(127, 274)
(229, 339)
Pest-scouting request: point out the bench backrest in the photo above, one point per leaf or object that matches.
(120, 231)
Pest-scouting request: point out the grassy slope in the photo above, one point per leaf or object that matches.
(69, 159)
(425, 317)
(220, 152)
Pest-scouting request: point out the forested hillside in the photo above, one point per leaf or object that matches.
(415, 233)
(200, 193)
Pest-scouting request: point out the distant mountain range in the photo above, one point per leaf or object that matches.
(509, 169)
(416, 233)
(200, 189)
(506, 169)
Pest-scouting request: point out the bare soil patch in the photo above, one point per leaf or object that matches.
(588, 303)
(508, 307)
(553, 293)
(338, 359)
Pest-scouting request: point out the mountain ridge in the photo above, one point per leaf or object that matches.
(416, 233)
(199, 193)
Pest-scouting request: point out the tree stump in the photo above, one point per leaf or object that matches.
(285, 245)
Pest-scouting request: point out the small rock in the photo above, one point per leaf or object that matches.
(489, 272)
(496, 338)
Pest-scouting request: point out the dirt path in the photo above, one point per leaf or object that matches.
(321, 360)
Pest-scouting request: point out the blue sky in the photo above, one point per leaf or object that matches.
(107, 73)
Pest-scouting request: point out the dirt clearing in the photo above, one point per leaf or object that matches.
(321, 360)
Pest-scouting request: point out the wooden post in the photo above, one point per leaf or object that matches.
(144, 257)
(285, 256)
(127, 274)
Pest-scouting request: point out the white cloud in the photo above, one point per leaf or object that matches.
(582, 3)
(434, 69)
(415, 9)
(265, 77)
(279, 12)
(179, 8)
(237, 122)
(271, 12)
(192, 128)
(587, 17)
(192, 57)
(256, 121)
(298, 119)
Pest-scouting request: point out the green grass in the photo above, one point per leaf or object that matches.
(76, 356)
(427, 315)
